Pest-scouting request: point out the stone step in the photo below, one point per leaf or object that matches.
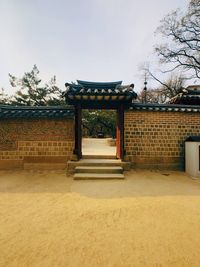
(100, 162)
(98, 157)
(71, 165)
(97, 169)
(86, 176)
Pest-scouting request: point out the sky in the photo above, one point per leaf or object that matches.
(93, 40)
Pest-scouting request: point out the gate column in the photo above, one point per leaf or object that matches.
(78, 132)
(120, 132)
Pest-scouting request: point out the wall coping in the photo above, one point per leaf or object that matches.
(53, 112)
(27, 112)
(164, 107)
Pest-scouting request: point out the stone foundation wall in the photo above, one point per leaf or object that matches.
(29, 141)
(155, 139)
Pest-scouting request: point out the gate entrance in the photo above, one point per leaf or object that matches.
(99, 133)
(99, 95)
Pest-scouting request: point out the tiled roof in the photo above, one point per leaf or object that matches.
(188, 96)
(35, 112)
(99, 91)
(164, 107)
(100, 85)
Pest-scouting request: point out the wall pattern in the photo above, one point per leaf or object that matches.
(156, 138)
(36, 140)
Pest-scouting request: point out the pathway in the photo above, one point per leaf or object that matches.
(97, 146)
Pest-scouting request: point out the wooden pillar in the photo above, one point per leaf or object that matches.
(78, 132)
(120, 132)
(121, 117)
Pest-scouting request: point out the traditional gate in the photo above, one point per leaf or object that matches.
(99, 95)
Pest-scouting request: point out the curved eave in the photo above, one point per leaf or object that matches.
(100, 97)
(99, 92)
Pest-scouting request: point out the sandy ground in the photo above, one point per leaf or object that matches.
(149, 219)
(97, 146)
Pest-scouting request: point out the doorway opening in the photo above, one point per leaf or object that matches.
(99, 133)
(99, 96)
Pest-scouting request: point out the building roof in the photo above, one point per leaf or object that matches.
(107, 92)
(188, 96)
(35, 112)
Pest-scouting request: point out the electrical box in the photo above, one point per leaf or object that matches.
(192, 156)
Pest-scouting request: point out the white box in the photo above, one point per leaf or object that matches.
(192, 163)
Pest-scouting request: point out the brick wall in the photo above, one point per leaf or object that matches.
(35, 141)
(155, 139)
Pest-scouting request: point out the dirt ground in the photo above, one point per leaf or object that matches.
(148, 219)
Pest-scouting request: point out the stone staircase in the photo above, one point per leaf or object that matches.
(99, 168)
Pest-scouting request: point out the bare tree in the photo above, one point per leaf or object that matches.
(165, 91)
(182, 36)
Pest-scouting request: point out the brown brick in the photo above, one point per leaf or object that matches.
(158, 137)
